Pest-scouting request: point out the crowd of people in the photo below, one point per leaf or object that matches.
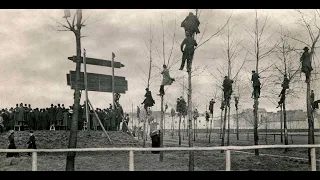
(58, 117)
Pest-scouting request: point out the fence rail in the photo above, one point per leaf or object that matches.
(131, 150)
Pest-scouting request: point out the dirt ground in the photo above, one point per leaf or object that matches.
(119, 161)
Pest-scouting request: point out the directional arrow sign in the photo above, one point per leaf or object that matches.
(98, 62)
(98, 82)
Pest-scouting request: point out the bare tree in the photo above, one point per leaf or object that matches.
(309, 21)
(288, 67)
(76, 29)
(260, 52)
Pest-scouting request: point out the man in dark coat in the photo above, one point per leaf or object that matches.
(227, 89)
(32, 142)
(148, 101)
(187, 51)
(15, 114)
(12, 145)
(43, 119)
(284, 85)
(21, 115)
(51, 114)
(207, 116)
(38, 124)
(211, 104)
(31, 118)
(305, 60)
(191, 24)
(256, 84)
(59, 115)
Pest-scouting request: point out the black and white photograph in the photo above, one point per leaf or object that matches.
(160, 90)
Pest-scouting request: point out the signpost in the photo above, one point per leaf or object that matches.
(97, 82)
(99, 62)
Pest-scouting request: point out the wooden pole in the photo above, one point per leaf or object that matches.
(86, 90)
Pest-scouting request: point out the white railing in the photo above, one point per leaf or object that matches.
(131, 150)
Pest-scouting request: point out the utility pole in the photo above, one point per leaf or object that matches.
(113, 104)
(87, 124)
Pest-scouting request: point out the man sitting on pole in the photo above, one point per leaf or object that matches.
(191, 24)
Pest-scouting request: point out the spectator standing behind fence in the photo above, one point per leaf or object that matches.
(32, 142)
(12, 145)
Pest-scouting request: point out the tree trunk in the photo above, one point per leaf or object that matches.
(76, 105)
(285, 123)
(255, 124)
(161, 129)
(281, 119)
(179, 130)
(224, 127)
(228, 139)
(237, 124)
(310, 121)
(164, 124)
(172, 127)
(145, 129)
(191, 153)
(210, 128)
(194, 129)
(221, 123)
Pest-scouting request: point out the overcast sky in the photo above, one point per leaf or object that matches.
(34, 55)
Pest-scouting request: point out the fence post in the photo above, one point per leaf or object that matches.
(313, 159)
(228, 160)
(131, 161)
(34, 161)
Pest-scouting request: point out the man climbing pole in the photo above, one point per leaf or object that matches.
(211, 104)
(227, 89)
(148, 101)
(306, 67)
(284, 85)
(191, 24)
(188, 51)
(282, 98)
(256, 84)
(166, 80)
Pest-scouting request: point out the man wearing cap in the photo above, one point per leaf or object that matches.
(187, 51)
(305, 59)
(256, 84)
